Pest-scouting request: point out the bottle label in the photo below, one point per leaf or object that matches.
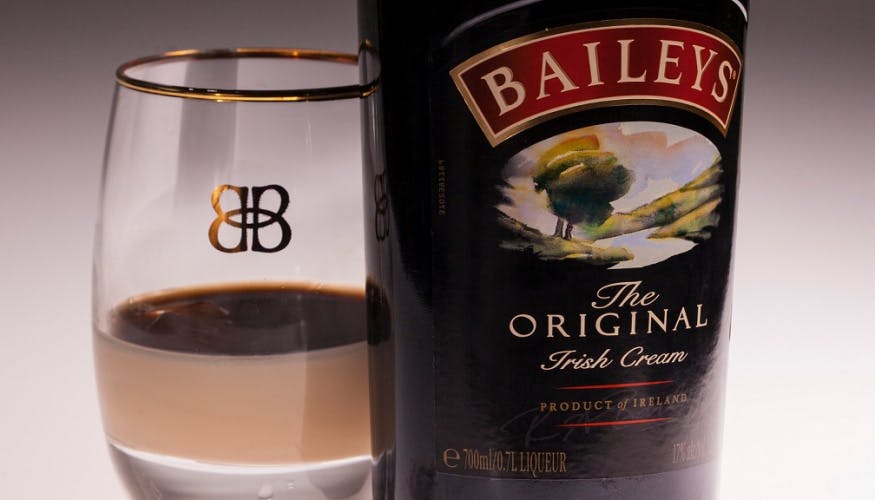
(582, 251)
(515, 85)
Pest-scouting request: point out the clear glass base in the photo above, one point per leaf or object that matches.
(157, 477)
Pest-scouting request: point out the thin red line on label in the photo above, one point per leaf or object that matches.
(617, 422)
(613, 386)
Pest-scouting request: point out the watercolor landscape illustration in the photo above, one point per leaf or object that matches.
(621, 195)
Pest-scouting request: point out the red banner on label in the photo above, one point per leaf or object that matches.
(528, 80)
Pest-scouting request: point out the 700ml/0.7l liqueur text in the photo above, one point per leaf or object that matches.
(551, 211)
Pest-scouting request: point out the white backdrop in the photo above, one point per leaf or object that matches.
(800, 387)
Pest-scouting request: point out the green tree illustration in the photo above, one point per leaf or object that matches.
(581, 181)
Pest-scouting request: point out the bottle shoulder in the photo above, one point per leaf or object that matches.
(481, 21)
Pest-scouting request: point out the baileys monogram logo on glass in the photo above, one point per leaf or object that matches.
(249, 218)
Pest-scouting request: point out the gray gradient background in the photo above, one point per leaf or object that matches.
(801, 398)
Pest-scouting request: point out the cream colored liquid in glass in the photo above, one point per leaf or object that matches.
(277, 409)
(239, 375)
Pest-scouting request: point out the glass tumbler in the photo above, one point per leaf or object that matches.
(228, 292)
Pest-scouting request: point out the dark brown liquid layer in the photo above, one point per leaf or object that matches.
(243, 319)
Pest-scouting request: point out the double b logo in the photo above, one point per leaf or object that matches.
(250, 218)
(381, 208)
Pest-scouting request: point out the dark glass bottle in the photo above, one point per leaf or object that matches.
(551, 192)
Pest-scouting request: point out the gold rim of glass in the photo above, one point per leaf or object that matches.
(246, 95)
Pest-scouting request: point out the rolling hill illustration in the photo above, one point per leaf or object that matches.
(619, 195)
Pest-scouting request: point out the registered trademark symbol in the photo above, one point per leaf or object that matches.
(734, 75)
